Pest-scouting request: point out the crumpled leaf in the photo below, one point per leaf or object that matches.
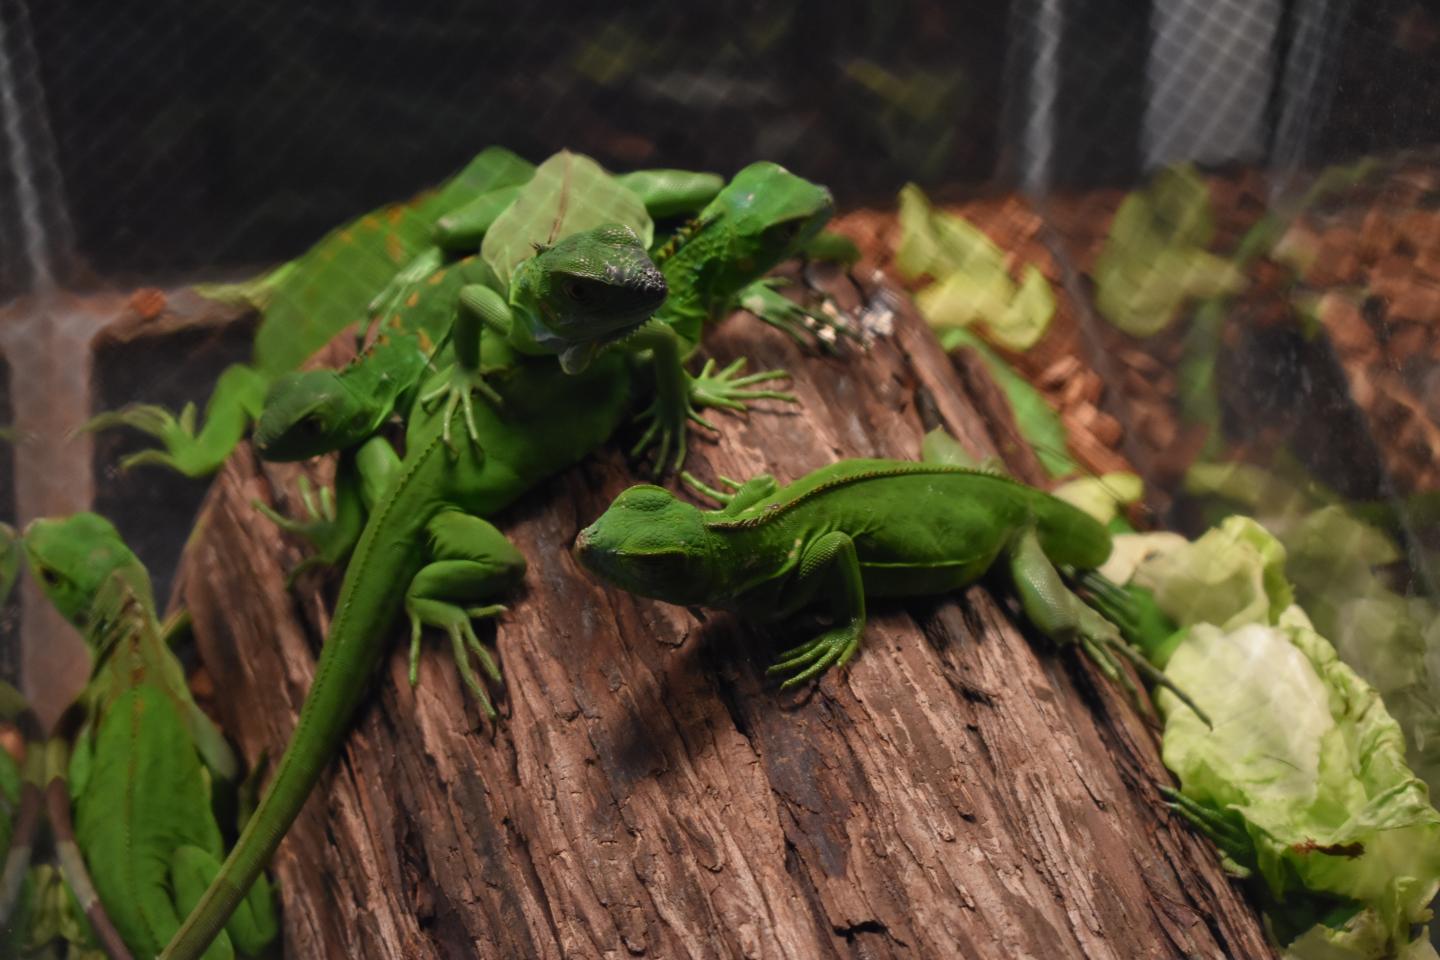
(1361, 937)
(1129, 550)
(1305, 752)
(964, 297)
(972, 283)
(1038, 422)
(568, 193)
(1231, 576)
(1102, 496)
(938, 244)
(1155, 259)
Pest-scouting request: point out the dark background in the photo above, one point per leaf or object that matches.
(195, 134)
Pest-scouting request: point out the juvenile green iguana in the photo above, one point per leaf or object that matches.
(424, 528)
(557, 301)
(362, 265)
(140, 772)
(857, 528)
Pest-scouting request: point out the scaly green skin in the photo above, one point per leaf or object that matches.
(425, 530)
(369, 261)
(140, 771)
(857, 528)
(600, 282)
(758, 220)
(763, 216)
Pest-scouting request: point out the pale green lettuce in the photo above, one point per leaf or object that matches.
(1303, 757)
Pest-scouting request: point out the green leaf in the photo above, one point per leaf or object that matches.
(1306, 753)
(1231, 576)
(1154, 258)
(1101, 497)
(939, 244)
(1026, 318)
(1039, 424)
(569, 193)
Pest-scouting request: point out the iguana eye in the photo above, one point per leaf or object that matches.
(575, 290)
(47, 576)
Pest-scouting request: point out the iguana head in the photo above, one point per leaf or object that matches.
(310, 412)
(650, 543)
(73, 557)
(587, 290)
(769, 214)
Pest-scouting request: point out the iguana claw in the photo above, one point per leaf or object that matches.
(324, 530)
(710, 389)
(455, 621)
(795, 319)
(833, 648)
(457, 392)
(182, 450)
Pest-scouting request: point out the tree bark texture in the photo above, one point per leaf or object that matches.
(961, 790)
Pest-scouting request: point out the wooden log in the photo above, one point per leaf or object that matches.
(960, 790)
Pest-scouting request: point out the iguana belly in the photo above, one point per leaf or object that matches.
(145, 798)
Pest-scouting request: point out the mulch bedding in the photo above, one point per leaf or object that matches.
(1370, 273)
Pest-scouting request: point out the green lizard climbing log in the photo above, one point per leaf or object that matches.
(140, 772)
(363, 264)
(763, 216)
(425, 529)
(856, 528)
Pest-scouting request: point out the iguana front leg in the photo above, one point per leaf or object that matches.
(831, 559)
(478, 307)
(742, 495)
(472, 562)
(679, 396)
(237, 400)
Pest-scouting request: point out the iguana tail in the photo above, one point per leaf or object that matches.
(363, 617)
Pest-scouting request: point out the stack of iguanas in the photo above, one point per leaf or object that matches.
(518, 316)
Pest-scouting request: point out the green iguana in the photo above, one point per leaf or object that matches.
(760, 218)
(363, 264)
(425, 530)
(140, 772)
(857, 528)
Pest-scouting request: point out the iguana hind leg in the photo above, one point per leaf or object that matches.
(1063, 617)
(235, 402)
(832, 561)
(473, 562)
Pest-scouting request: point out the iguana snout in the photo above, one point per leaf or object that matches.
(652, 544)
(589, 289)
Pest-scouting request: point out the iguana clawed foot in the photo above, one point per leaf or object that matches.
(727, 389)
(455, 621)
(182, 452)
(457, 393)
(833, 648)
(801, 323)
(332, 535)
(1223, 828)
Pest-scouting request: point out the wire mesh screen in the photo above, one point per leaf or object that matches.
(1200, 231)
